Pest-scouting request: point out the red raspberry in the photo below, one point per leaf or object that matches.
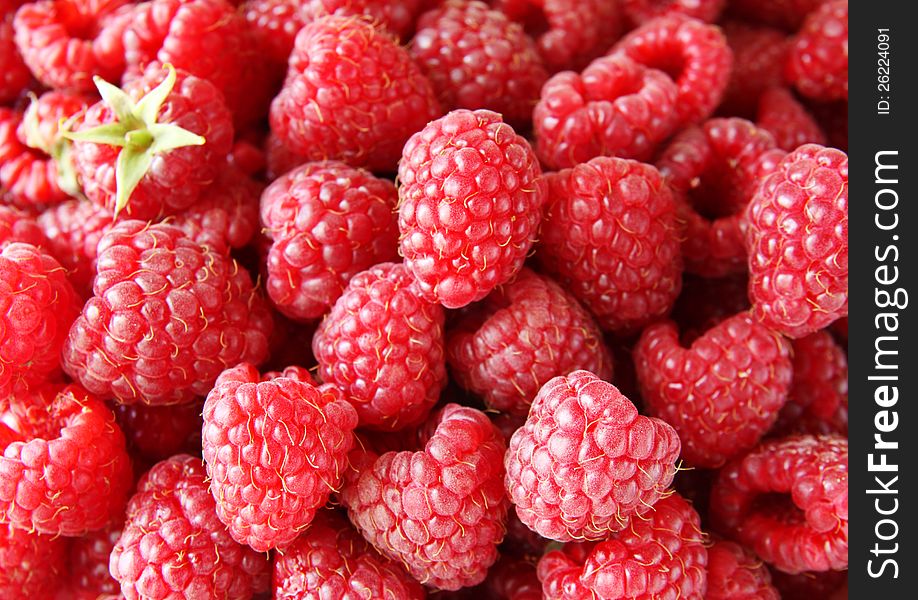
(833, 119)
(817, 63)
(611, 238)
(63, 44)
(818, 400)
(527, 331)
(89, 576)
(641, 11)
(807, 585)
(723, 393)
(470, 202)
(397, 17)
(735, 573)
(476, 57)
(382, 346)
(28, 174)
(173, 545)
(693, 53)
(158, 432)
(804, 524)
(328, 222)
(704, 303)
(786, 14)
(158, 123)
(32, 565)
(568, 33)
(714, 170)
(14, 74)
(279, 159)
(275, 448)
(351, 94)
(17, 226)
(208, 39)
(274, 25)
(71, 473)
(439, 510)
(797, 240)
(74, 229)
(585, 462)
(660, 556)
(332, 560)
(513, 579)
(759, 54)
(37, 307)
(616, 107)
(168, 316)
(788, 120)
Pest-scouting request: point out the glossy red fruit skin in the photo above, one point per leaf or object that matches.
(275, 449)
(641, 11)
(615, 107)
(28, 175)
(274, 25)
(476, 57)
(73, 229)
(172, 516)
(331, 560)
(616, 251)
(736, 573)
(179, 176)
(19, 226)
(817, 62)
(699, 49)
(70, 474)
(396, 17)
(450, 506)
(382, 345)
(89, 576)
(352, 94)
(721, 394)
(168, 316)
(327, 222)
(660, 556)
(586, 464)
(32, 565)
(808, 531)
(37, 307)
(470, 202)
(527, 331)
(14, 74)
(797, 241)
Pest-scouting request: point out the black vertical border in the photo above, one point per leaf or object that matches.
(869, 133)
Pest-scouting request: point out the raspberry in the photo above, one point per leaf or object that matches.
(279, 159)
(14, 74)
(157, 123)
(32, 565)
(817, 63)
(616, 107)
(585, 462)
(470, 202)
(513, 579)
(641, 11)
(382, 346)
(174, 545)
(332, 560)
(704, 303)
(569, 33)
(274, 25)
(723, 393)
(714, 170)
(804, 524)
(807, 585)
(73, 229)
(352, 94)
(290, 437)
(528, 331)
(786, 14)
(610, 237)
(62, 43)
(478, 58)
(693, 53)
(158, 432)
(439, 510)
(397, 17)
(28, 174)
(209, 40)
(37, 307)
(168, 316)
(797, 240)
(89, 576)
(818, 400)
(328, 222)
(71, 473)
(759, 54)
(788, 120)
(833, 119)
(660, 556)
(734, 573)
(17, 226)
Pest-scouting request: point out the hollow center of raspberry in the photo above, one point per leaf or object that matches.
(779, 507)
(77, 25)
(530, 14)
(716, 194)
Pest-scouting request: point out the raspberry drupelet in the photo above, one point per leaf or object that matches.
(32, 565)
(736, 573)
(817, 62)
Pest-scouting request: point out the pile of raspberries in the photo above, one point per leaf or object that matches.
(371, 299)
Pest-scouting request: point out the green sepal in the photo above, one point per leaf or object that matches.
(110, 134)
(169, 137)
(132, 164)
